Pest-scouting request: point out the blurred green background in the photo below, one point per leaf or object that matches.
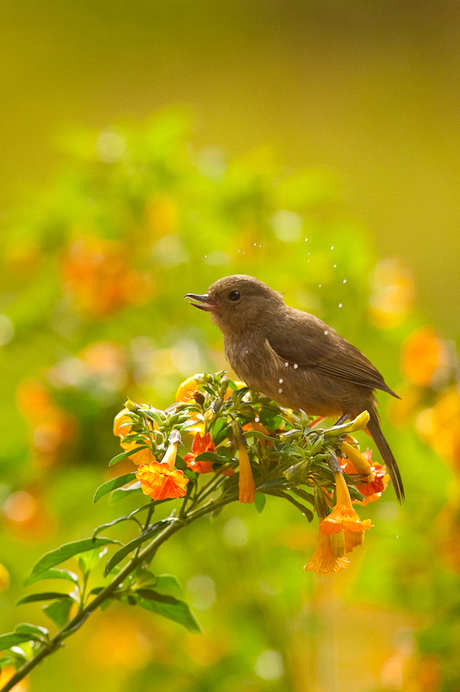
(336, 123)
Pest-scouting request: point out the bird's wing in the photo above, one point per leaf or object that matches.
(308, 342)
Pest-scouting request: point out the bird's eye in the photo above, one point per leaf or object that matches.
(234, 295)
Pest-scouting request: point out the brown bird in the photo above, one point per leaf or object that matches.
(294, 357)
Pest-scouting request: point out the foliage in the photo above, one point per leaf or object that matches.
(284, 453)
(93, 274)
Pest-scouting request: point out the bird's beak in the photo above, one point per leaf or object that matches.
(204, 300)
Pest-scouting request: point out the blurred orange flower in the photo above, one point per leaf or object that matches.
(96, 272)
(424, 355)
(52, 428)
(323, 560)
(392, 293)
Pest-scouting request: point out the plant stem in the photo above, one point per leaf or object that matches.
(76, 622)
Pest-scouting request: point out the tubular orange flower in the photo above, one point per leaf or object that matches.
(323, 560)
(343, 516)
(361, 462)
(163, 481)
(373, 491)
(200, 444)
(247, 487)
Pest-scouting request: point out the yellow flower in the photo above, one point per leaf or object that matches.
(323, 560)
(186, 389)
(343, 516)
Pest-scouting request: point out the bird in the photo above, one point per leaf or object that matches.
(295, 358)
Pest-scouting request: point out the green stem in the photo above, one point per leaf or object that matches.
(76, 622)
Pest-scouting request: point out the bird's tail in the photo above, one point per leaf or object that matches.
(374, 428)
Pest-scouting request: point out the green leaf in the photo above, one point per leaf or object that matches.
(43, 596)
(168, 582)
(121, 493)
(59, 611)
(259, 502)
(53, 574)
(26, 628)
(11, 660)
(12, 638)
(212, 456)
(55, 557)
(123, 455)
(135, 543)
(88, 561)
(102, 527)
(112, 484)
(169, 607)
(274, 483)
(258, 434)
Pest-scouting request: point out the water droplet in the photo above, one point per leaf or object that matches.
(260, 245)
(326, 333)
(344, 281)
(280, 391)
(308, 253)
(206, 257)
(319, 285)
(246, 351)
(340, 305)
(295, 366)
(255, 244)
(335, 266)
(281, 380)
(256, 419)
(306, 239)
(332, 247)
(308, 260)
(286, 365)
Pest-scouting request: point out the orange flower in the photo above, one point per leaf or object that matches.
(323, 560)
(424, 354)
(343, 516)
(373, 491)
(200, 444)
(246, 484)
(163, 481)
(186, 389)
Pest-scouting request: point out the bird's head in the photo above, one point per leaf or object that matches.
(237, 303)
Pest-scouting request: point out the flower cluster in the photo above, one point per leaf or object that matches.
(242, 444)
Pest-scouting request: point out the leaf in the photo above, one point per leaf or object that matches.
(11, 660)
(121, 493)
(211, 456)
(169, 607)
(43, 596)
(123, 455)
(88, 561)
(102, 527)
(135, 543)
(308, 497)
(168, 582)
(55, 557)
(12, 638)
(53, 574)
(259, 502)
(258, 434)
(59, 611)
(113, 483)
(274, 483)
(26, 628)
